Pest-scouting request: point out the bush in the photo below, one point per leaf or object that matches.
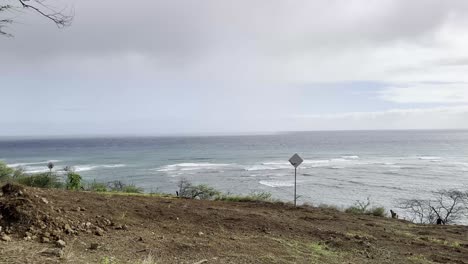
(202, 191)
(5, 172)
(118, 186)
(41, 180)
(132, 189)
(378, 211)
(253, 197)
(363, 208)
(96, 187)
(73, 181)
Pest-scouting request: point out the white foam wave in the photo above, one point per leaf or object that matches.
(190, 166)
(350, 157)
(275, 184)
(15, 165)
(81, 168)
(429, 158)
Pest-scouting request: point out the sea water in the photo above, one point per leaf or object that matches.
(339, 167)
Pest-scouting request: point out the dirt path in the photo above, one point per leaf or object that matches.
(102, 228)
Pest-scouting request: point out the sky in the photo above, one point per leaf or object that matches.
(152, 67)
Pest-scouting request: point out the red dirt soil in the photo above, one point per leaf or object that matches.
(103, 228)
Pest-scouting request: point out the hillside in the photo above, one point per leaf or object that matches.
(103, 228)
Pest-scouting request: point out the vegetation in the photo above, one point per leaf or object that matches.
(50, 12)
(96, 187)
(202, 191)
(253, 197)
(361, 207)
(446, 206)
(73, 181)
(5, 172)
(41, 180)
(118, 186)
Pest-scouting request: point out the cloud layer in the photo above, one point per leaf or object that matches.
(242, 65)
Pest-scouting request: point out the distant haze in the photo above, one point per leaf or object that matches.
(217, 67)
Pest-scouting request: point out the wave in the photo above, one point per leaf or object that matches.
(350, 157)
(15, 165)
(190, 166)
(431, 158)
(275, 184)
(81, 168)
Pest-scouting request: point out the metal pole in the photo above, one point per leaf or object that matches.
(295, 173)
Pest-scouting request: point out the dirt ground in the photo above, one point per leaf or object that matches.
(103, 228)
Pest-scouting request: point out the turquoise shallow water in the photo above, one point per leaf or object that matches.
(339, 167)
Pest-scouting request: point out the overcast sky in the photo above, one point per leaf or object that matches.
(215, 66)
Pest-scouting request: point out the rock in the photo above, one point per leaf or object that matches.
(99, 231)
(201, 234)
(94, 246)
(52, 252)
(124, 227)
(201, 261)
(44, 200)
(45, 240)
(46, 234)
(60, 243)
(68, 229)
(6, 238)
(88, 225)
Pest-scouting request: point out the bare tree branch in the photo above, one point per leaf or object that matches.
(61, 18)
(449, 206)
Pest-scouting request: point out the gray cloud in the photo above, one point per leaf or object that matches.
(218, 60)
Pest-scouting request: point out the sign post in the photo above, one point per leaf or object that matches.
(295, 160)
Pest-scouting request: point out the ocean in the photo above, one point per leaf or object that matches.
(339, 167)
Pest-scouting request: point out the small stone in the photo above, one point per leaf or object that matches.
(200, 234)
(46, 234)
(45, 240)
(125, 227)
(60, 243)
(44, 200)
(94, 246)
(68, 229)
(6, 238)
(88, 225)
(54, 252)
(99, 231)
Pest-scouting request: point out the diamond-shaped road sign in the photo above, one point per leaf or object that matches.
(296, 160)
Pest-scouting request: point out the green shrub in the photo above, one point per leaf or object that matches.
(41, 180)
(378, 211)
(73, 181)
(131, 188)
(118, 186)
(96, 187)
(5, 172)
(202, 191)
(363, 208)
(253, 197)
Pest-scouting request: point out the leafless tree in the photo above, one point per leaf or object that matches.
(60, 17)
(449, 206)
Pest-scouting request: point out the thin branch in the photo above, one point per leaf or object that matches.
(60, 19)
